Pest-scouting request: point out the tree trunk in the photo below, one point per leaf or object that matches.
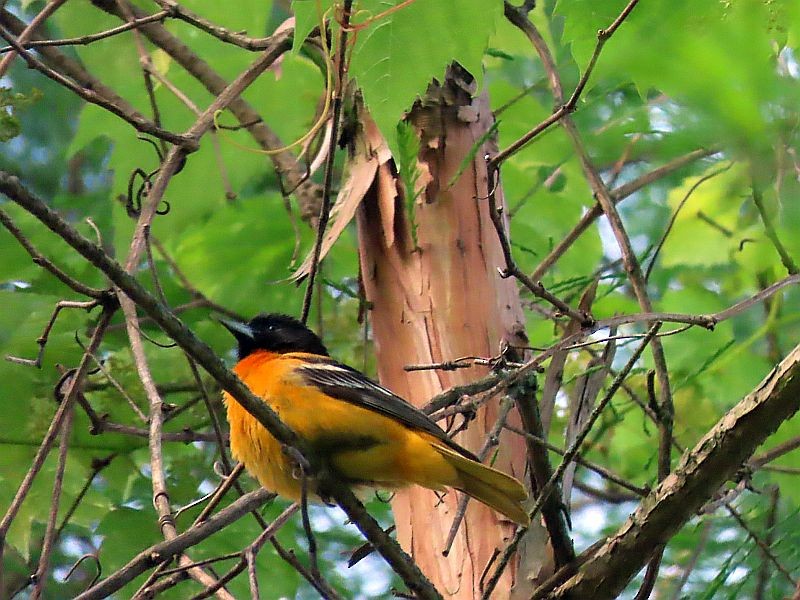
(436, 295)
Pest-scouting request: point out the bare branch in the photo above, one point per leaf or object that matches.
(157, 553)
(42, 261)
(618, 195)
(134, 118)
(325, 208)
(205, 356)
(786, 259)
(40, 18)
(85, 40)
(571, 105)
(574, 448)
(286, 163)
(70, 392)
(40, 577)
(715, 458)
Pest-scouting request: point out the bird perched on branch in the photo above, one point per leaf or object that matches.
(359, 430)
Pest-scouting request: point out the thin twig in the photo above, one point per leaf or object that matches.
(674, 216)
(606, 495)
(205, 356)
(248, 554)
(42, 261)
(571, 104)
(776, 452)
(69, 394)
(600, 470)
(765, 549)
(607, 203)
(492, 440)
(769, 538)
(211, 28)
(286, 163)
(42, 339)
(554, 513)
(85, 40)
(135, 119)
(169, 548)
(312, 540)
(158, 479)
(618, 195)
(716, 458)
(769, 229)
(118, 386)
(697, 551)
(548, 488)
(650, 575)
(48, 9)
(325, 209)
(40, 577)
(97, 466)
(512, 269)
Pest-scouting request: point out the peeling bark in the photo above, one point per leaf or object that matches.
(437, 295)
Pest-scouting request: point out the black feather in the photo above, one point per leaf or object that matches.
(345, 383)
(276, 333)
(286, 335)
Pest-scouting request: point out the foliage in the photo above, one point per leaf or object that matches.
(675, 78)
(10, 103)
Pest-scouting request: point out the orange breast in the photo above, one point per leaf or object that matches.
(251, 443)
(393, 456)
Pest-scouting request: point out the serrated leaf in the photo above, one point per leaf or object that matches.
(408, 170)
(582, 20)
(398, 55)
(307, 15)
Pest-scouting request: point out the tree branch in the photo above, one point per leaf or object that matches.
(89, 95)
(205, 356)
(85, 40)
(285, 162)
(157, 553)
(701, 472)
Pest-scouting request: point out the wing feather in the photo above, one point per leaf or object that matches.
(345, 383)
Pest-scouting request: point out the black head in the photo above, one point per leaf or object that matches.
(274, 333)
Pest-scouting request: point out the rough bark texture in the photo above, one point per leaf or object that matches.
(436, 295)
(701, 472)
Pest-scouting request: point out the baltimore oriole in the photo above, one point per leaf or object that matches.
(361, 431)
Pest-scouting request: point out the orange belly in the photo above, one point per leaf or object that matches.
(360, 445)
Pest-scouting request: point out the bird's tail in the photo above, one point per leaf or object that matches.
(494, 488)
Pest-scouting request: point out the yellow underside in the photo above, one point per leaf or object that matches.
(403, 456)
(360, 445)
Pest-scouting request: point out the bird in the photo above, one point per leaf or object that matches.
(358, 430)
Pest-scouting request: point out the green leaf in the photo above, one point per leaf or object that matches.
(397, 56)
(706, 231)
(583, 19)
(10, 103)
(470, 156)
(407, 157)
(727, 568)
(308, 14)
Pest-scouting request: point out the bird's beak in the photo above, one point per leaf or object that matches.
(238, 329)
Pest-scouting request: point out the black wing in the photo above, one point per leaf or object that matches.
(345, 383)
